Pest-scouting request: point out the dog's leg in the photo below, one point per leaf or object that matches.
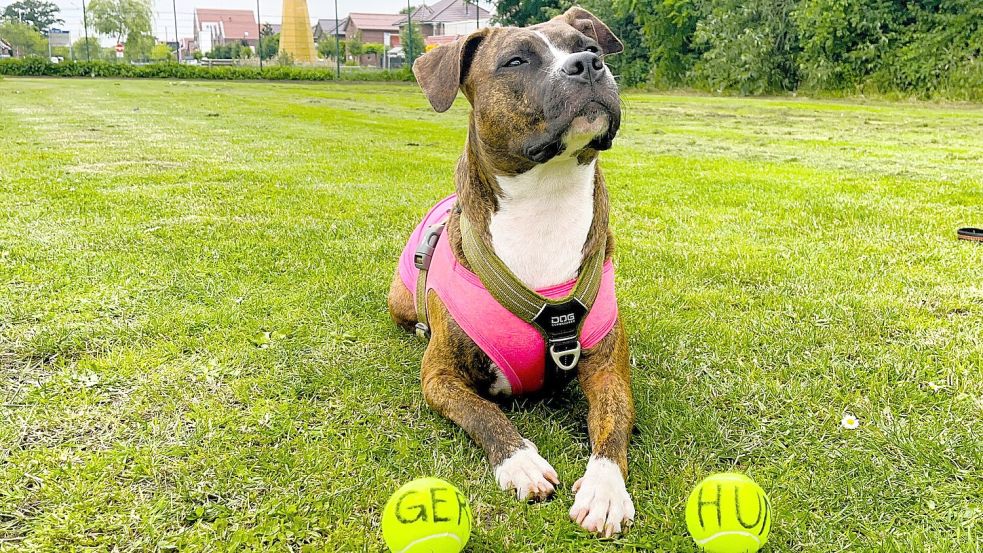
(401, 304)
(602, 503)
(449, 391)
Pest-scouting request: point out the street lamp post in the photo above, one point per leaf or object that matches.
(85, 26)
(409, 33)
(337, 42)
(177, 37)
(259, 37)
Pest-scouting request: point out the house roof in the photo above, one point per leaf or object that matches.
(328, 25)
(449, 11)
(235, 23)
(376, 21)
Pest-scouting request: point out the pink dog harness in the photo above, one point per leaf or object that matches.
(514, 345)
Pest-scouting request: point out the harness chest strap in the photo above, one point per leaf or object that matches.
(559, 321)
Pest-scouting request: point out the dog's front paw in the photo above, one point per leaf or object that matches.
(527, 473)
(602, 504)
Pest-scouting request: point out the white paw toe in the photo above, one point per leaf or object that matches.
(602, 504)
(527, 473)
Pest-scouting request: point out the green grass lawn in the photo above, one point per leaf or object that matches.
(195, 351)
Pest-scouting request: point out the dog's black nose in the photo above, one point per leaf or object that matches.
(583, 67)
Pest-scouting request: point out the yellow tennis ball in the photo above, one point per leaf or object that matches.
(728, 513)
(427, 515)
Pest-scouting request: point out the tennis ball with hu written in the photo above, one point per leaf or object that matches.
(427, 515)
(728, 513)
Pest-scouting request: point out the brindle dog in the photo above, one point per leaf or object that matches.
(543, 106)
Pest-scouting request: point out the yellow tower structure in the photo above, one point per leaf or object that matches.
(296, 37)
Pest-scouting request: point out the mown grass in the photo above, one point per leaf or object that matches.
(196, 355)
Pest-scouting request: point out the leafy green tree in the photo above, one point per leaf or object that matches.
(269, 42)
(845, 41)
(667, 28)
(354, 45)
(120, 18)
(231, 51)
(138, 46)
(24, 38)
(632, 66)
(39, 13)
(527, 12)
(376, 48)
(90, 45)
(161, 52)
(940, 49)
(750, 46)
(328, 48)
(409, 35)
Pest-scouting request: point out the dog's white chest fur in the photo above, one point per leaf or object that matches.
(543, 219)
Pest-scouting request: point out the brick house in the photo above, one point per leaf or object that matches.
(379, 28)
(449, 18)
(214, 27)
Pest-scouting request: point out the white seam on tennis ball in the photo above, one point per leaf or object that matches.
(707, 540)
(425, 538)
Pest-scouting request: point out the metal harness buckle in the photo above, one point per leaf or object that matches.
(565, 347)
(423, 331)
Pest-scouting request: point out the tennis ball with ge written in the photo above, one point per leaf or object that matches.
(427, 515)
(728, 513)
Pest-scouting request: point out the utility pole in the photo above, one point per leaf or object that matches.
(259, 37)
(337, 42)
(177, 36)
(85, 25)
(409, 33)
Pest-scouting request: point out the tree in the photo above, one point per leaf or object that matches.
(843, 41)
(412, 41)
(138, 46)
(84, 45)
(376, 48)
(120, 18)
(750, 46)
(24, 38)
(327, 48)
(161, 52)
(39, 13)
(521, 13)
(667, 28)
(354, 45)
(231, 51)
(632, 65)
(269, 42)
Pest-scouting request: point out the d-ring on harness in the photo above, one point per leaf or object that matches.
(559, 321)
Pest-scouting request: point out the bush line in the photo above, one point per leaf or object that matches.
(39, 67)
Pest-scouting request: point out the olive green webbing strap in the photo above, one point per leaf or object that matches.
(422, 259)
(421, 298)
(515, 296)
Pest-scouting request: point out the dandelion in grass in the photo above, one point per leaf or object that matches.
(849, 422)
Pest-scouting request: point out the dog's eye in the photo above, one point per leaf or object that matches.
(514, 62)
(594, 49)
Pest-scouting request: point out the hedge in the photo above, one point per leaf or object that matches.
(40, 67)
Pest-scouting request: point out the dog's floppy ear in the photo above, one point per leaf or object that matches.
(441, 71)
(590, 25)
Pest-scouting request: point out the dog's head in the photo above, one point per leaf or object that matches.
(536, 92)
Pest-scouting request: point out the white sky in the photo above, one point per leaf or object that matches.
(270, 12)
